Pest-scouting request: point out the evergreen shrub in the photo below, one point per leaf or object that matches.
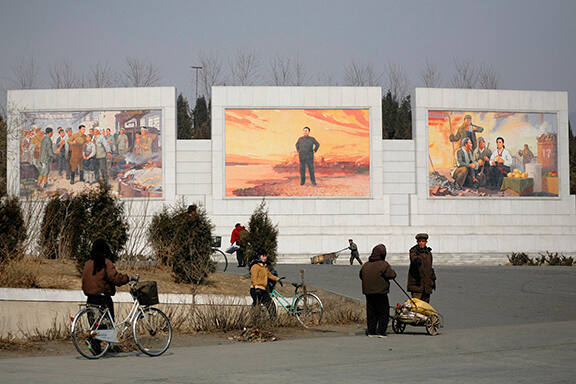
(183, 242)
(263, 235)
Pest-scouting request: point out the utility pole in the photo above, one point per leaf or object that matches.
(197, 69)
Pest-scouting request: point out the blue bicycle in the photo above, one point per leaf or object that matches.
(306, 306)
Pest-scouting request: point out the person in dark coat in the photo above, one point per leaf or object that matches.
(421, 276)
(99, 281)
(307, 146)
(375, 276)
(354, 255)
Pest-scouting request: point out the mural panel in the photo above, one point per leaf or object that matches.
(499, 154)
(297, 152)
(67, 152)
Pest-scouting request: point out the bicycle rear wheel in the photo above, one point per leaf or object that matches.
(85, 323)
(308, 310)
(220, 259)
(152, 331)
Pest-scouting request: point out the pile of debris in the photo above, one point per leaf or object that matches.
(441, 186)
(255, 335)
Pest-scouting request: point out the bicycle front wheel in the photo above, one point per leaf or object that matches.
(85, 324)
(152, 331)
(220, 259)
(309, 310)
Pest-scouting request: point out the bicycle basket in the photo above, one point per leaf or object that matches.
(216, 241)
(147, 293)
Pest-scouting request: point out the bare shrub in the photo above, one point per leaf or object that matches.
(20, 273)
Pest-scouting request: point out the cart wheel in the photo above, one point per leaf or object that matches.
(398, 326)
(432, 325)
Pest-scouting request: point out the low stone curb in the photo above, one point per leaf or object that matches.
(64, 295)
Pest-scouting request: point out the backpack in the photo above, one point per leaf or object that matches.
(243, 237)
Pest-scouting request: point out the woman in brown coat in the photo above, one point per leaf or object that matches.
(100, 277)
(375, 276)
(421, 276)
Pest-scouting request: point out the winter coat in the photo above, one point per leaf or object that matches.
(104, 281)
(376, 273)
(421, 276)
(259, 275)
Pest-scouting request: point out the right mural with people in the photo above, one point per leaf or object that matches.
(492, 154)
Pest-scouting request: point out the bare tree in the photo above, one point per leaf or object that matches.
(487, 77)
(244, 68)
(465, 74)
(210, 74)
(325, 79)
(140, 74)
(431, 76)
(25, 74)
(397, 81)
(361, 75)
(101, 76)
(281, 74)
(62, 75)
(299, 75)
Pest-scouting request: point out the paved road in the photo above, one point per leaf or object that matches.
(503, 325)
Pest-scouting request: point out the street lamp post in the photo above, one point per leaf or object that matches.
(197, 69)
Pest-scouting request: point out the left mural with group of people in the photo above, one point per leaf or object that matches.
(66, 152)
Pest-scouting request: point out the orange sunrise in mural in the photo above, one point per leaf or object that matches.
(297, 152)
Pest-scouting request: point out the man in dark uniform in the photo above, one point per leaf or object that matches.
(421, 276)
(354, 252)
(306, 147)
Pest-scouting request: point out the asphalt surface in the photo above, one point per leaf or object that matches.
(502, 325)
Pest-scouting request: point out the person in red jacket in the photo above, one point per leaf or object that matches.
(375, 276)
(237, 237)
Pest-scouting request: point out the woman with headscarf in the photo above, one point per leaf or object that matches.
(375, 276)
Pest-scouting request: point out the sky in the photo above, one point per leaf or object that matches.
(530, 44)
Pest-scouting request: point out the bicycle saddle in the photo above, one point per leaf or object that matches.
(296, 285)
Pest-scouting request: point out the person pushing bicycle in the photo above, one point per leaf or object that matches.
(100, 277)
(259, 276)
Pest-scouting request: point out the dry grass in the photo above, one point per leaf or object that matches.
(62, 274)
(20, 273)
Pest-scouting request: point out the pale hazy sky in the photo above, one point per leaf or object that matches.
(531, 44)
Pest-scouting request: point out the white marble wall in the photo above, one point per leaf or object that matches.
(398, 208)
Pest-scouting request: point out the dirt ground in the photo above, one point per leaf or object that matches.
(50, 348)
(62, 274)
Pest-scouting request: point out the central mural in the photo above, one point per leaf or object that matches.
(297, 152)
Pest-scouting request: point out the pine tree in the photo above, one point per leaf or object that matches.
(183, 117)
(263, 235)
(202, 125)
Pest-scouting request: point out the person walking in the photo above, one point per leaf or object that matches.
(421, 276)
(354, 255)
(240, 238)
(375, 275)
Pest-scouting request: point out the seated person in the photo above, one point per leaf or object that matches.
(482, 153)
(500, 163)
(465, 173)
